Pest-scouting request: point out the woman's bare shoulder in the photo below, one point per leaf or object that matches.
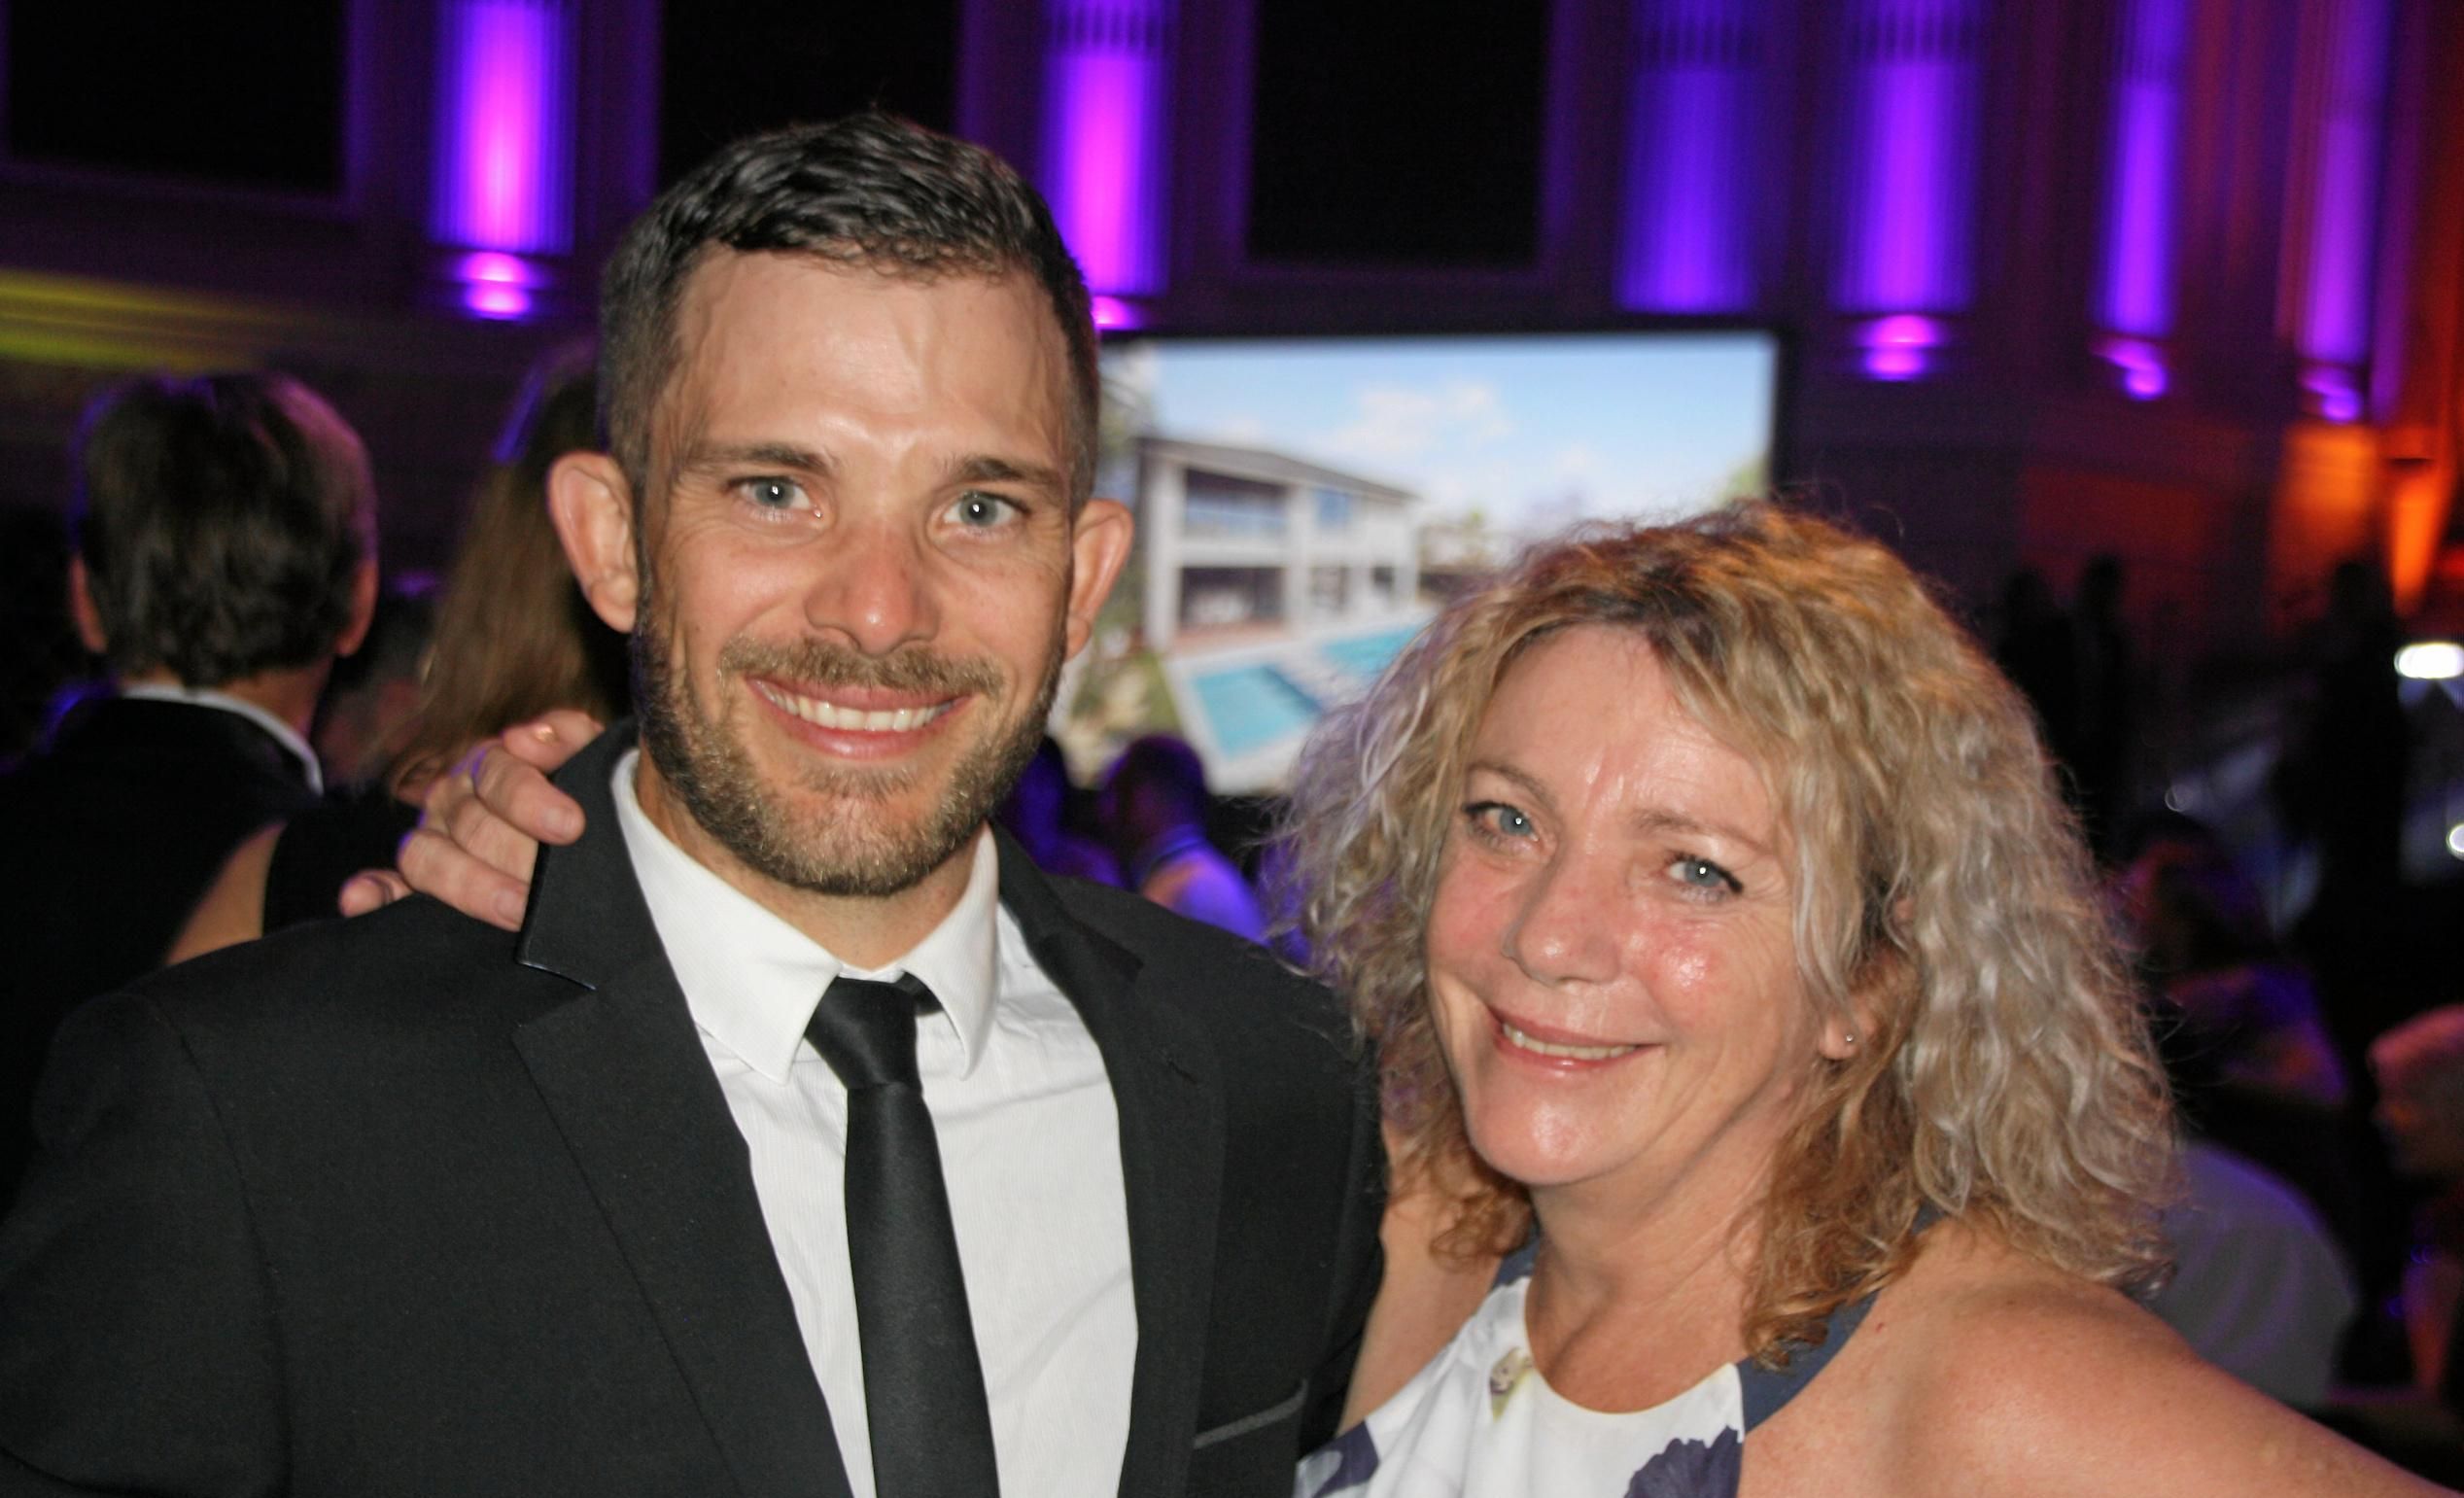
(2008, 1375)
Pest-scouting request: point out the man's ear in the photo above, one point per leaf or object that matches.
(1100, 544)
(363, 584)
(592, 506)
(80, 607)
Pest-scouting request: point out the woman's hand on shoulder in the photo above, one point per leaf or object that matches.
(2026, 1380)
(481, 824)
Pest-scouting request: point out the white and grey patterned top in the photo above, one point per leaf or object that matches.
(1481, 1419)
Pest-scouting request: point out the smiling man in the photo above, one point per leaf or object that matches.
(805, 1140)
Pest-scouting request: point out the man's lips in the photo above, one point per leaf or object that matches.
(857, 710)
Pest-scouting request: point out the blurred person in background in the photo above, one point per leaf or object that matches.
(1038, 813)
(225, 555)
(514, 638)
(2232, 998)
(1154, 811)
(374, 691)
(2419, 1068)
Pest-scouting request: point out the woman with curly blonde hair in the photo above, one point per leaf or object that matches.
(1740, 979)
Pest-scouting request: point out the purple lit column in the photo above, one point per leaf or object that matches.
(2134, 285)
(2338, 234)
(1909, 184)
(505, 147)
(1694, 164)
(1106, 100)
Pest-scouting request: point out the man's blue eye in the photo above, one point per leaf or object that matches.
(771, 493)
(983, 509)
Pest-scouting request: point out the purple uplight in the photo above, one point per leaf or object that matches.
(1111, 312)
(1691, 148)
(2342, 224)
(2141, 363)
(504, 133)
(2137, 294)
(495, 284)
(1104, 80)
(2333, 392)
(1910, 181)
(1898, 347)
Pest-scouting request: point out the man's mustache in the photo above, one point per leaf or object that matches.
(827, 663)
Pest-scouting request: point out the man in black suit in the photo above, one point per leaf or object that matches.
(408, 1206)
(225, 558)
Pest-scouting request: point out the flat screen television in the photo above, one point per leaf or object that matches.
(1306, 504)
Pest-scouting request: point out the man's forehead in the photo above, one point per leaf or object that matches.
(733, 305)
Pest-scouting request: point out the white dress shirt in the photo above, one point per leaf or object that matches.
(1030, 1145)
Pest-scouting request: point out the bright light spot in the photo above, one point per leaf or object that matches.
(2139, 363)
(2432, 660)
(1113, 312)
(495, 299)
(495, 267)
(1895, 346)
(2339, 398)
(2456, 840)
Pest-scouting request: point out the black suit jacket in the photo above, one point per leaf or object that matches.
(111, 833)
(405, 1204)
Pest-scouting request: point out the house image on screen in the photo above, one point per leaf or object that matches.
(1273, 587)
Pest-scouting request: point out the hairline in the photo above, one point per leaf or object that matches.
(1081, 388)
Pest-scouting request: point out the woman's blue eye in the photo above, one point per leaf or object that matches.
(1703, 874)
(1503, 820)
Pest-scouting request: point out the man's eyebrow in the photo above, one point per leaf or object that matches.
(764, 455)
(987, 469)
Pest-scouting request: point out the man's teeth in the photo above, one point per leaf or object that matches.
(827, 715)
(1579, 1053)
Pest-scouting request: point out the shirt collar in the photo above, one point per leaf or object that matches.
(751, 979)
(206, 697)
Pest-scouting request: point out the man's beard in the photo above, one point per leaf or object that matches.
(848, 845)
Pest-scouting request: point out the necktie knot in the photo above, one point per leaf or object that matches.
(866, 1030)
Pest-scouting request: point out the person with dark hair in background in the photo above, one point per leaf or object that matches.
(806, 1139)
(2104, 704)
(225, 557)
(1036, 812)
(1154, 810)
(513, 639)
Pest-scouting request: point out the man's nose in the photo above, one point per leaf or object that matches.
(876, 587)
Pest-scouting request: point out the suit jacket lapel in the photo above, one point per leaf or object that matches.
(623, 1070)
(1169, 1094)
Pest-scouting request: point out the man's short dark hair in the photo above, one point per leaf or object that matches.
(869, 191)
(222, 520)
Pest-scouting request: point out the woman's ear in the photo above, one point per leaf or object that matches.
(1873, 994)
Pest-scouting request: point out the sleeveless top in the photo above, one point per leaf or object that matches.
(1479, 1419)
(320, 849)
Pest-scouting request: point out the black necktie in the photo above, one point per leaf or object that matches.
(925, 1408)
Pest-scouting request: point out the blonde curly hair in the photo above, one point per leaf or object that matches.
(2006, 1077)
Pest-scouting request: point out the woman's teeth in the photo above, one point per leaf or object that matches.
(1577, 1053)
